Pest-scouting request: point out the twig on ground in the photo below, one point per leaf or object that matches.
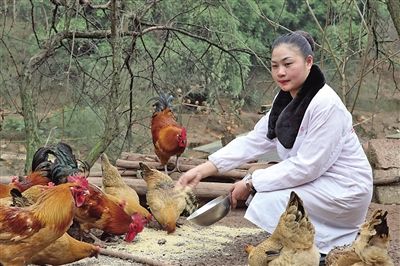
(364, 121)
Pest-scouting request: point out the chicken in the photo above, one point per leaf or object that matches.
(6, 188)
(343, 255)
(101, 212)
(40, 170)
(166, 201)
(26, 231)
(291, 243)
(44, 170)
(24, 199)
(65, 164)
(114, 185)
(169, 138)
(34, 178)
(373, 242)
(65, 250)
(370, 247)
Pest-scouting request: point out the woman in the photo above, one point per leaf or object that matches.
(322, 159)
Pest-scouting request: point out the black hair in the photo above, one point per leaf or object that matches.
(300, 39)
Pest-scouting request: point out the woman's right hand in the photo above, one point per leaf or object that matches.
(192, 177)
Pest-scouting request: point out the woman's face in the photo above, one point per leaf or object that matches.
(289, 68)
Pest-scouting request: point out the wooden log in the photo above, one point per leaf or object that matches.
(132, 174)
(129, 173)
(150, 157)
(138, 157)
(127, 164)
(235, 174)
(182, 160)
(378, 182)
(202, 190)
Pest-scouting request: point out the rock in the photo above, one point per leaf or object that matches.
(384, 156)
(387, 194)
(388, 176)
(394, 136)
(384, 153)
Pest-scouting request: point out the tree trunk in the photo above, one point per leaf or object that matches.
(112, 124)
(394, 10)
(32, 140)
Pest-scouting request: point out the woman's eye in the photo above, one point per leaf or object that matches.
(274, 66)
(287, 64)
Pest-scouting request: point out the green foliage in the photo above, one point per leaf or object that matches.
(81, 125)
(217, 47)
(13, 124)
(188, 61)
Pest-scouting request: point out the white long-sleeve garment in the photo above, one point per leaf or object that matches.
(326, 167)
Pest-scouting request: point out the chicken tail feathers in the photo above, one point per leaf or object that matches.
(145, 170)
(272, 253)
(163, 101)
(18, 200)
(64, 165)
(40, 160)
(191, 203)
(382, 229)
(295, 200)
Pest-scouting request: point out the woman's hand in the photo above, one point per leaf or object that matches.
(239, 192)
(192, 177)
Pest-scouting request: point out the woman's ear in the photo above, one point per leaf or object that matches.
(309, 61)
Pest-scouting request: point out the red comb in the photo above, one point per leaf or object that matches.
(81, 180)
(183, 132)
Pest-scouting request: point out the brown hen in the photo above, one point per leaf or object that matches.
(65, 249)
(166, 201)
(26, 231)
(291, 243)
(370, 247)
(114, 185)
(101, 212)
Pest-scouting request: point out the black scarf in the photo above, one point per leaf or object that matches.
(287, 112)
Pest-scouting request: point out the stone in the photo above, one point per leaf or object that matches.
(387, 194)
(386, 176)
(384, 153)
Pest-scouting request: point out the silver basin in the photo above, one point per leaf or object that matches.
(211, 212)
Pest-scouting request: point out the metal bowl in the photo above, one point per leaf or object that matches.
(211, 212)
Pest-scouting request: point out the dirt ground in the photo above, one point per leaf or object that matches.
(177, 249)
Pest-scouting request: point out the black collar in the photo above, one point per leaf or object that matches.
(287, 112)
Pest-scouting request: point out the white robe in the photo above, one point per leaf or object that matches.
(326, 167)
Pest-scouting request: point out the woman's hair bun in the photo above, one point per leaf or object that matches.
(308, 37)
